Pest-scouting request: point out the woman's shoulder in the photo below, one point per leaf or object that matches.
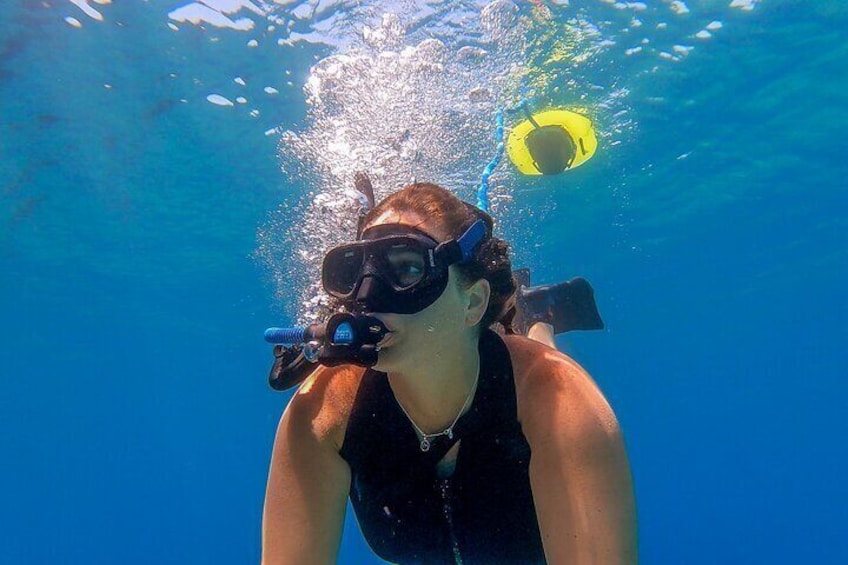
(553, 389)
(537, 366)
(323, 402)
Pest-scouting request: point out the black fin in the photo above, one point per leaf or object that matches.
(566, 306)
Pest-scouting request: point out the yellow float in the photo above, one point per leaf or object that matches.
(551, 142)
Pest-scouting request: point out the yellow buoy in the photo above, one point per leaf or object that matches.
(551, 142)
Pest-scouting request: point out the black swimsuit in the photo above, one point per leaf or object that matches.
(482, 514)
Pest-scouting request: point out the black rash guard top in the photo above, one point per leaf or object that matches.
(483, 513)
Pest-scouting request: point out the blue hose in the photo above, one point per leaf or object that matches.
(483, 191)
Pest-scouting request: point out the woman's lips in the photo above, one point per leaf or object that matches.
(386, 340)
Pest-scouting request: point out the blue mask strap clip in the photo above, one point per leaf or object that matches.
(469, 240)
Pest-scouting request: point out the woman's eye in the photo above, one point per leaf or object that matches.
(408, 267)
(413, 268)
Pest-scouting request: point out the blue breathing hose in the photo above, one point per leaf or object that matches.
(483, 191)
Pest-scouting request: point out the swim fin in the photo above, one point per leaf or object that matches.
(566, 306)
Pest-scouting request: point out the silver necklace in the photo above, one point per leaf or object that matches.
(425, 437)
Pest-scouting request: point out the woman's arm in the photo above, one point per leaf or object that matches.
(579, 471)
(307, 486)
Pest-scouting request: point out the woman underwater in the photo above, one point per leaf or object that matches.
(460, 445)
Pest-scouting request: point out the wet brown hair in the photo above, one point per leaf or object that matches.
(453, 216)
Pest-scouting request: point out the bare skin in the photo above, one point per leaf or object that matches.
(543, 333)
(579, 473)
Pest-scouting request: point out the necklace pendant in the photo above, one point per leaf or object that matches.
(449, 433)
(425, 445)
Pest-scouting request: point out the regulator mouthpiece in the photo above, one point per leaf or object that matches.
(343, 339)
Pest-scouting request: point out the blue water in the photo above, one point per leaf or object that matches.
(135, 414)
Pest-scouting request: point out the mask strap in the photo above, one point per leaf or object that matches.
(461, 250)
(469, 240)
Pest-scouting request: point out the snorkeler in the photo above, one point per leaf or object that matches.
(458, 445)
(561, 308)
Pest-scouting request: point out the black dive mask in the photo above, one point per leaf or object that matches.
(396, 268)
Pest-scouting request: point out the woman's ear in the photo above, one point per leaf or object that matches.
(478, 301)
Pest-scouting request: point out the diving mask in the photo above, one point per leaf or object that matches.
(396, 268)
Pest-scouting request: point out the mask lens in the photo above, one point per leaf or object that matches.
(406, 263)
(342, 267)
